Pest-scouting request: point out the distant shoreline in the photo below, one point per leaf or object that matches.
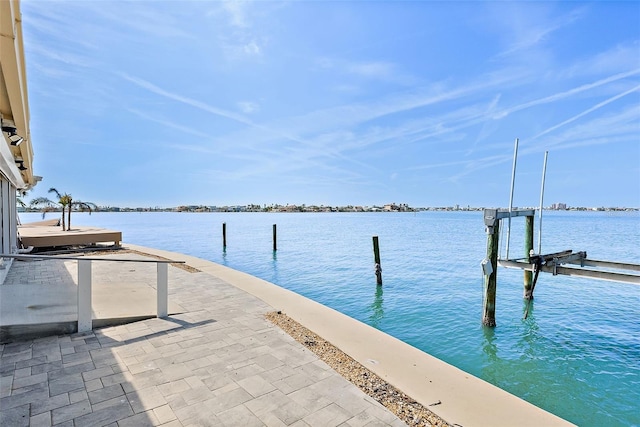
(327, 209)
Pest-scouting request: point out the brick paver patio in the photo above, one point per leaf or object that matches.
(220, 363)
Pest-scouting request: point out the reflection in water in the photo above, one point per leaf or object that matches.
(377, 311)
(529, 337)
(517, 357)
(527, 310)
(274, 267)
(224, 256)
(489, 347)
(492, 365)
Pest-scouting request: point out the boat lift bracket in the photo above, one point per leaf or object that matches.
(555, 263)
(492, 216)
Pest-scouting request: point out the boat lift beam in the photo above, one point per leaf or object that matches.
(556, 267)
(492, 216)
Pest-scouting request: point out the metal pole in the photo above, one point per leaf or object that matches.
(513, 181)
(544, 173)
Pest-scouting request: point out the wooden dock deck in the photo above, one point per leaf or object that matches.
(50, 236)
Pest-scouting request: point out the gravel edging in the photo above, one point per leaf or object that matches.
(403, 406)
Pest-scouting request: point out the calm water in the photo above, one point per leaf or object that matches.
(577, 355)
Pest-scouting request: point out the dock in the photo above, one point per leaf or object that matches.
(44, 236)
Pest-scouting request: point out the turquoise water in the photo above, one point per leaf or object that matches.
(577, 355)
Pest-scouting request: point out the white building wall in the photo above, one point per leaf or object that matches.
(5, 216)
(8, 232)
(14, 112)
(13, 220)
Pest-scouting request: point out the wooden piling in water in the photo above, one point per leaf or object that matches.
(376, 257)
(492, 219)
(528, 250)
(275, 246)
(490, 280)
(224, 235)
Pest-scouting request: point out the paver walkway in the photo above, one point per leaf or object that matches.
(45, 291)
(219, 363)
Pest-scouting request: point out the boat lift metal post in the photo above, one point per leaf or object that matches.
(544, 174)
(513, 181)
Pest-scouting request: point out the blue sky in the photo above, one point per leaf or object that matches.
(162, 103)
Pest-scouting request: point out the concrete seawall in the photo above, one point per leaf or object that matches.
(459, 397)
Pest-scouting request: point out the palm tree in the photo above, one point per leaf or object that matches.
(20, 203)
(81, 206)
(49, 206)
(66, 202)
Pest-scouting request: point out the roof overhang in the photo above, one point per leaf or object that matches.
(16, 160)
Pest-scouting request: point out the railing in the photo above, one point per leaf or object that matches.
(85, 320)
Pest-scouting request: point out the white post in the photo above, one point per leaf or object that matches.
(513, 181)
(163, 289)
(544, 172)
(84, 296)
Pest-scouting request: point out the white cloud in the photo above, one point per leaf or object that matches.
(237, 35)
(248, 107)
(264, 132)
(136, 16)
(379, 70)
(240, 47)
(331, 133)
(529, 27)
(565, 94)
(188, 101)
(372, 70)
(589, 110)
(623, 56)
(252, 48)
(237, 14)
(618, 126)
(66, 58)
(169, 123)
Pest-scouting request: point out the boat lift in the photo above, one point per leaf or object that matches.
(555, 263)
(567, 262)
